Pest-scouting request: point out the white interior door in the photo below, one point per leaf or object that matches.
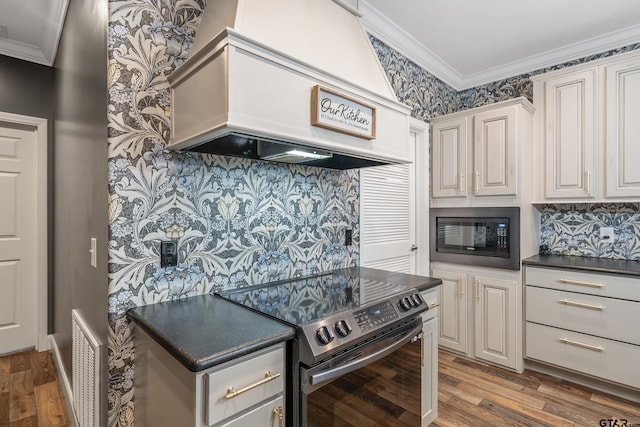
(393, 217)
(18, 234)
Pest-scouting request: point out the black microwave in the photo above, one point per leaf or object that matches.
(488, 237)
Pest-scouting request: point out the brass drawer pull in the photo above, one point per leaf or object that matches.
(582, 345)
(575, 282)
(278, 413)
(582, 305)
(434, 305)
(231, 392)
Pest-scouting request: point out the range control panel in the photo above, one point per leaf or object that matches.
(335, 332)
(373, 316)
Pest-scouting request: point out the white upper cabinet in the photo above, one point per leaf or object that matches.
(475, 153)
(588, 130)
(449, 151)
(495, 152)
(623, 128)
(570, 132)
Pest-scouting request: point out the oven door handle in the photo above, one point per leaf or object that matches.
(317, 378)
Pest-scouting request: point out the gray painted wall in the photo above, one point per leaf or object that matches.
(27, 88)
(80, 161)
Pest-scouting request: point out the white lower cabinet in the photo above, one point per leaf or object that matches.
(453, 310)
(247, 391)
(584, 322)
(480, 313)
(429, 372)
(495, 324)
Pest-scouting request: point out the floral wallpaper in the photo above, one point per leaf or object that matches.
(427, 95)
(574, 229)
(236, 222)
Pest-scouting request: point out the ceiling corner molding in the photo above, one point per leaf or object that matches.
(592, 46)
(23, 51)
(384, 29)
(52, 39)
(44, 51)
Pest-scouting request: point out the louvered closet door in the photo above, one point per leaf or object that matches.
(388, 216)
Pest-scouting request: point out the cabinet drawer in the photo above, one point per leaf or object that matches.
(265, 415)
(605, 317)
(254, 370)
(599, 357)
(607, 285)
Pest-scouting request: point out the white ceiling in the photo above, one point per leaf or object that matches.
(30, 29)
(470, 42)
(463, 42)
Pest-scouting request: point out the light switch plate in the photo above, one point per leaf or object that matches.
(607, 235)
(93, 251)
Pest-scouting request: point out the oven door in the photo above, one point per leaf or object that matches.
(377, 383)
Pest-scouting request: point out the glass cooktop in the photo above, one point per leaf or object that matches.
(305, 300)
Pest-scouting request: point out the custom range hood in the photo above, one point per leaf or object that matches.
(293, 81)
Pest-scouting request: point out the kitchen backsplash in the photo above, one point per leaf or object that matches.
(574, 229)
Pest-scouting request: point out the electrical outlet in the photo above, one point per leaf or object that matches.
(348, 237)
(607, 235)
(168, 254)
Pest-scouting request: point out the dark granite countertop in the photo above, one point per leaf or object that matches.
(205, 331)
(598, 265)
(422, 283)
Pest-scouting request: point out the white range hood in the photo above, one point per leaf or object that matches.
(249, 83)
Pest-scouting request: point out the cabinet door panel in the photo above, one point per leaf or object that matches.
(429, 380)
(449, 156)
(570, 135)
(452, 310)
(623, 129)
(495, 320)
(495, 154)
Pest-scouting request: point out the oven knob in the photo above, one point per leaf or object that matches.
(405, 304)
(324, 335)
(416, 300)
(342, 328)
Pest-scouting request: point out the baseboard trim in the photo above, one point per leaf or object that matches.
(584, 380)
(64, 380)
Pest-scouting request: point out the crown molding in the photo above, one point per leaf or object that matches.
(44, 52)
(391, 34)
(50, 42)
(592, 46)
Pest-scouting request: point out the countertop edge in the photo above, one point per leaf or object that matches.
(596, 265)
(194, 364)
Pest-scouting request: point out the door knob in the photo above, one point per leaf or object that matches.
(414, 248)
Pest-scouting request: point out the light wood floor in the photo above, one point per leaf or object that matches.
(30, 393)
(471, 393)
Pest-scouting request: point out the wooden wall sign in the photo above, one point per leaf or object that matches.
(340, 113)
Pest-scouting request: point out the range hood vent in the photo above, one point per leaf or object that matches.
(246, 88)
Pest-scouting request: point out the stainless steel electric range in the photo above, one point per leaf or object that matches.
(352, 324)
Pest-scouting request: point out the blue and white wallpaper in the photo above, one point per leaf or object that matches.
(574, 229)
(237, 222)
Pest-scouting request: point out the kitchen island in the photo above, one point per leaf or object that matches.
(195, 357)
